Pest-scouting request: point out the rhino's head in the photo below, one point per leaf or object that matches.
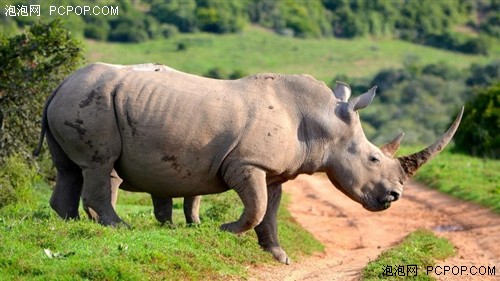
(370, 175)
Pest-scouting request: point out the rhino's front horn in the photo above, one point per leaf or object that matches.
(411, 163)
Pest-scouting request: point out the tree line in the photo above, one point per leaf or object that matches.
(426, 22)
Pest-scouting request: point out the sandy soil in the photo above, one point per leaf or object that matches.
(353, 236)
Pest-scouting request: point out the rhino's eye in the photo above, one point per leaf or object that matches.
(374, 159)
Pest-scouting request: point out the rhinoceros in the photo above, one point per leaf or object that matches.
(174, 134)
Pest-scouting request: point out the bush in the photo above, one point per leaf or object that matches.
(179, 13)
(221, 16)
(458, 42)
(484, 75)
(128, 29)
(216, 73)
(16, 181)
(220, 73)
(478, 133)
(33, 64)
(97, 31)
(168, 30)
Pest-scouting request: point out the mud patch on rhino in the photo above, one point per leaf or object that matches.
(78, 126)
(89, 143)
(101, 158)
(174, 164)
(90, 98)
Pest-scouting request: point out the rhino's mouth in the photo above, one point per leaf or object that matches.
(377, 208)
(377, 205)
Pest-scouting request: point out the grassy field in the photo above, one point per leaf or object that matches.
(418, 250)
(468, 178)
(257, 50)
(84, 250)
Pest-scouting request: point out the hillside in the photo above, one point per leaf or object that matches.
(258, 50)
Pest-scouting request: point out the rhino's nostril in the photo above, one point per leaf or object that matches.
(395, 195)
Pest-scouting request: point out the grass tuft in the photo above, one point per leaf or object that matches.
(420, 248)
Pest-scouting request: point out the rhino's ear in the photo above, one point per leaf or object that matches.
(364, 100)
(342, 91)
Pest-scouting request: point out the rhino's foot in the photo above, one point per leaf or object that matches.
(110, 219)
(192, 220)
(233, 227)
(65, 212)
(279, 254)
(230, 227)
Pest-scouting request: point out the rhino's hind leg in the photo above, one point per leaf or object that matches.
(97, 195)
(250, 184)
(192, 209)
(66, 195)
(115, 184)
(162, 207)
(267, 230)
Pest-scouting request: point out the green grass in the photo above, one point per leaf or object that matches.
(420, 248)
(465, 177)
(35, 244)
(258, 50)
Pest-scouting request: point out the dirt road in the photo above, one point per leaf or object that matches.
(353, 236)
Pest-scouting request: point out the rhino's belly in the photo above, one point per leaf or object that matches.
(169, 176)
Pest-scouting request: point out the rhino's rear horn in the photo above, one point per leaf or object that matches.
(392, 147)
(412, 163)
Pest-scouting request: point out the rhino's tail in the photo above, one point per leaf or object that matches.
(45, 123)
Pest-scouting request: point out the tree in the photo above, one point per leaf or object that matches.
(33, 63)
(221, 16)
(478, 133)
(484, 75)
(180, 13)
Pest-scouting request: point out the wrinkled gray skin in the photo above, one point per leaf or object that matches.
(162, 206)
(173, 134)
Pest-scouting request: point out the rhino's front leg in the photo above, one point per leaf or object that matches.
(250, 184)
(192, 209)
(267, 230)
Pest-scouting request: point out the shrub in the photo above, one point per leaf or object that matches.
(478, 133)
(168, 30)
(97, 31)
(484, 75)
(16, 181)
(33, 64)
(216, 72)
(221, 16)
(179, 13)
(128, 29)
(458, 42)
